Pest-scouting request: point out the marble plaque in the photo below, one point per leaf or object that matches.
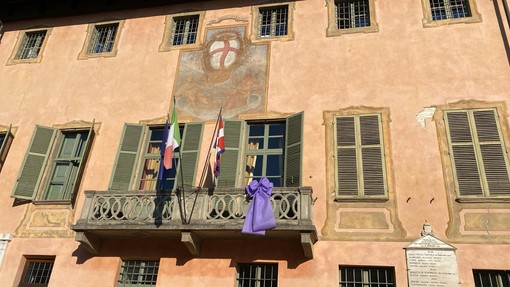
(431, 263)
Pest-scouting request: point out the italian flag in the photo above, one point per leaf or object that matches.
(172, 141)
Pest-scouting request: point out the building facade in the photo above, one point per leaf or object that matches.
(377, 126)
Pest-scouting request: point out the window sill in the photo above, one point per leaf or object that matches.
(334, 32)
(168, 48)
(11, 62)
(284, 38)
(83, 56)
(361, 199)
(483, 200)
(52, 202)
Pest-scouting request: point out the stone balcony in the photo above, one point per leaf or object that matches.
(190, 216)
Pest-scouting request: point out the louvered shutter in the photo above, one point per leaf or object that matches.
(189, 153)
(4, 147)
(293, 146)
(372, 155)
(125, 163)
(347, 171)
(229, 167)
(34, 163)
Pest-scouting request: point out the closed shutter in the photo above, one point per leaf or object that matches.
(125, 163)
(189, 153)
(293, 147)
(34, 163)
(347, 171)
(229, 167)
(372, 155)
(4, 147)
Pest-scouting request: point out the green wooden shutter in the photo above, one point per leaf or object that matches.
(34, 163)
(125, 163)
(372, 152)
(293, 146)
(189, 153)
(75, 182)
(346, 163)
(229, 167)
(4, 148)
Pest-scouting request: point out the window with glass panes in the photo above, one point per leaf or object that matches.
(138, 273)
(449, 9)
(37, 272)
(151, 163)
(351, 276)
(273, 21)
(264, 152)
(65, 165)
(352, 14)
(257, 275)
(184, 30)
(491, 278)
(31, 45)
(103, 38)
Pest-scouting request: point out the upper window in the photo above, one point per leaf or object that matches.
(257, 274)
(366, 276)
(138, 160)
(491, 278)
(449, 11)
(29, 46)
(477, 152)
(53, 164)
(6, 138)
(182, 30)
(102, 40)
(351, 16)
(270, 148)
(272, 21)
(37, 272)
(359, 153)
(138, 273)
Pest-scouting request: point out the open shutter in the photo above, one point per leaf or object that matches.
(293, 147)
(189, 153)
(347, 171)
(229, 168)
(4, 147)
(34, 163)
(372, 155)
(75, 182)
(125, 163)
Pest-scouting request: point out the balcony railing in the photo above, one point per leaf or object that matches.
(193, 216)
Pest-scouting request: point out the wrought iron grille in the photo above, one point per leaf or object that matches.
(273, 21)
(103, 38)
(491, 278)
(31, 45)
(138, 273)
(366, 276)
(449, 9)
(259, 275)
(37, 272)
(184, 30)
(352, 14)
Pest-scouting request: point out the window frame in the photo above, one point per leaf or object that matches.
(35, 259)
(91, 30)
(20, 41)
(428, 22)
(483, 272)
(333, 30)
(258, 273)
(8, 137)
(256, 25)
(143, 262)
(166, 43)
(366, 271)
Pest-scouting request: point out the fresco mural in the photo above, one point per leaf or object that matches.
(229, 72)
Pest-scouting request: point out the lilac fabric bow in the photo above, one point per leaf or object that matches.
(260, 213)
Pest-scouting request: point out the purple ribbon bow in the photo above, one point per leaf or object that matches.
(260, 213)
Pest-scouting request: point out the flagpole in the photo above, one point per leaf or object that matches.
(207, 164)
(182, 202)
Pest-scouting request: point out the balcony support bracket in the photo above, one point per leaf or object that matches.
(91, 242)
(307, 241)
(192, 241)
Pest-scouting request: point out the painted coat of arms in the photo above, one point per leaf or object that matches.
(228, 72)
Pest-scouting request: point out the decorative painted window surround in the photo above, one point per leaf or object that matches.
(256, 23)
(333, 29)
(30, 46)
(92, 30)
(169, 34)
(429, 22)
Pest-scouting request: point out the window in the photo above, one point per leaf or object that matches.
(450, 11)
(64, 152)
(29, 46)
(491, 278)
(366, 276)
(102, 40)
(477, 153)
(138, 273)
(359, 153)
(37, 272)
(138, 159)
(182, 31)
(351, 16)
(273, 21)
(270, 148)
(257, 274)
(5, 143)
